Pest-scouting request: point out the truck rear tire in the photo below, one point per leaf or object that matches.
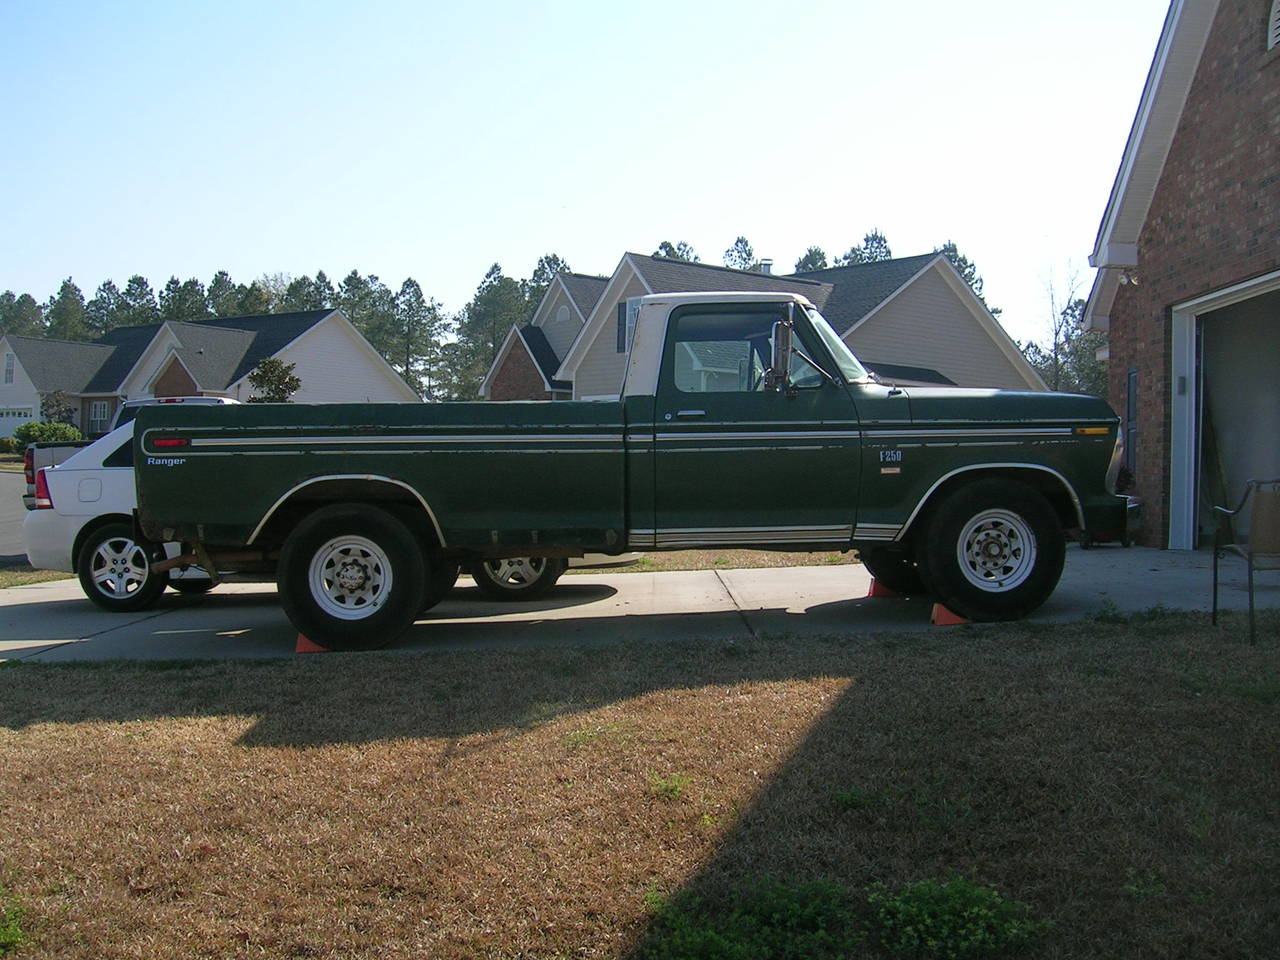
(352, 577)
(518, 578)
(992, 550)
(115, 569)
(440, 580)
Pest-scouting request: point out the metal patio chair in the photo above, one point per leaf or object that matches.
(1262, 551)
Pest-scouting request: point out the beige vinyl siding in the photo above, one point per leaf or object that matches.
(20, 400)
(926, 325)
(602, 369)
(559, 330)
(336, 369)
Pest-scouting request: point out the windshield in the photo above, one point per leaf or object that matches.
(850, 368)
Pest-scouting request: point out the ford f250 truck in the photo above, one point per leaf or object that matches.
(743, 421)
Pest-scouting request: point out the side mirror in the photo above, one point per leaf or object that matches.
(776, 376)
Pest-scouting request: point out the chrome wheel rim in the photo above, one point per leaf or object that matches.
(996, 551)
(516, 573)
(119, 568)
(350, 578)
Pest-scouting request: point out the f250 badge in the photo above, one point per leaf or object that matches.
(890, 462)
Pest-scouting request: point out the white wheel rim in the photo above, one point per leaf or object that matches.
(516, 573)
(996, 551)
(119, 568)
(350, 578)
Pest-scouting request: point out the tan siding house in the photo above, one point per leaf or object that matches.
(929, 323)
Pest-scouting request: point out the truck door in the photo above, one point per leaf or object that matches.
(737, 463)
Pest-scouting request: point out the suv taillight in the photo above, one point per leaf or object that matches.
(43, 500)
(29, 466)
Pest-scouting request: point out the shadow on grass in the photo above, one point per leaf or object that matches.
(1053, 763)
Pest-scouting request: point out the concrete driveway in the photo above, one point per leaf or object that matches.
(54, 622)
(12, 486)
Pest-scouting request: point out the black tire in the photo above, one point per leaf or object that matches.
(518, 578)
(897, 571)
(351, 577)
(440, 580)
(190, 586)
(115, 569)
(992, 550)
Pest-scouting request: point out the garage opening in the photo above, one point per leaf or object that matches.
(1239, 406)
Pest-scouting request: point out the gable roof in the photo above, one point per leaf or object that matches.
(583, 290)
(861, 287)
(664, 275)
(58, 364)
(1178, 52)
(216, 353)
(544, 358)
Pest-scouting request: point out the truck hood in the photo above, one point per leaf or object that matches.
(967, 403)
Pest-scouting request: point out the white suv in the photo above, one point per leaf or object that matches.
(82, 522)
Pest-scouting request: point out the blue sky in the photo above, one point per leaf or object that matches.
(432, 140)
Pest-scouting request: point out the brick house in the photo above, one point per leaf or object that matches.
(1188, 251)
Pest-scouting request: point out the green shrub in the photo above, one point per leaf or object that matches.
(766, 920)
(12, 935)
(44, 431)
(954, 919)
(8, 445)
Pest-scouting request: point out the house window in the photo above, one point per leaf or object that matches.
(627, 313)
(98, 416)
(1273, 26)
(9, 363)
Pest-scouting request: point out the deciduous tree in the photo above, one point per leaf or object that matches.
(273, 381)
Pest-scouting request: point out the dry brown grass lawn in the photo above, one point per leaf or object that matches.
(1123, 778)
(22, 574)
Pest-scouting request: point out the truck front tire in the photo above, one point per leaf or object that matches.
(992, 550)
(897, 571)
(352, 577)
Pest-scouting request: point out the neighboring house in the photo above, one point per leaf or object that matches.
(1188, 288)
(912, 320)
(213, 357)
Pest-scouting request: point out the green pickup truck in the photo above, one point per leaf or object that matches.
(743, 421)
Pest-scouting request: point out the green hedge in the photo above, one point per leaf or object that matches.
(43, 431)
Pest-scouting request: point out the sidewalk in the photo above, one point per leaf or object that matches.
(50, 622)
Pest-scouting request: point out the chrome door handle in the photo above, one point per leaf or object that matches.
(691, 413)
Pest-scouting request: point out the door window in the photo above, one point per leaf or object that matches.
(718, 352)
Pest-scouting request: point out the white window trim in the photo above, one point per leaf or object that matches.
(10, 366)
(1184, 434)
